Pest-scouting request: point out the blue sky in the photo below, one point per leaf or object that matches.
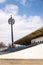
(29, 7)
(28, 15)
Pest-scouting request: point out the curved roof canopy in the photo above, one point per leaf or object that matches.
(27, 39)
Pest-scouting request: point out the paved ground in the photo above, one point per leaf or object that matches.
(21, 62)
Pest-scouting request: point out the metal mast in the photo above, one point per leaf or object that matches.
(11, 21)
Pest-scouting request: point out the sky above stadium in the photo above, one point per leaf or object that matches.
(28, 15)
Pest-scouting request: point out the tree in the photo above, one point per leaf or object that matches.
(2, 45)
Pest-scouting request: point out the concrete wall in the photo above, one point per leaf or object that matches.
(37, 40)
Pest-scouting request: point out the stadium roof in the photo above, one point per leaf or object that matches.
(27, 39)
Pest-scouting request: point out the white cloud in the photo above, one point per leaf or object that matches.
(1, 1)
(23, 2)
(23, 24)
(26, 25)
(13, 9)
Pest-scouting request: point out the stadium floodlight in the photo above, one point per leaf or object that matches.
(11, 21)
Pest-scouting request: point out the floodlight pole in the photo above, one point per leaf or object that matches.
(12, 34)
(11, 21)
